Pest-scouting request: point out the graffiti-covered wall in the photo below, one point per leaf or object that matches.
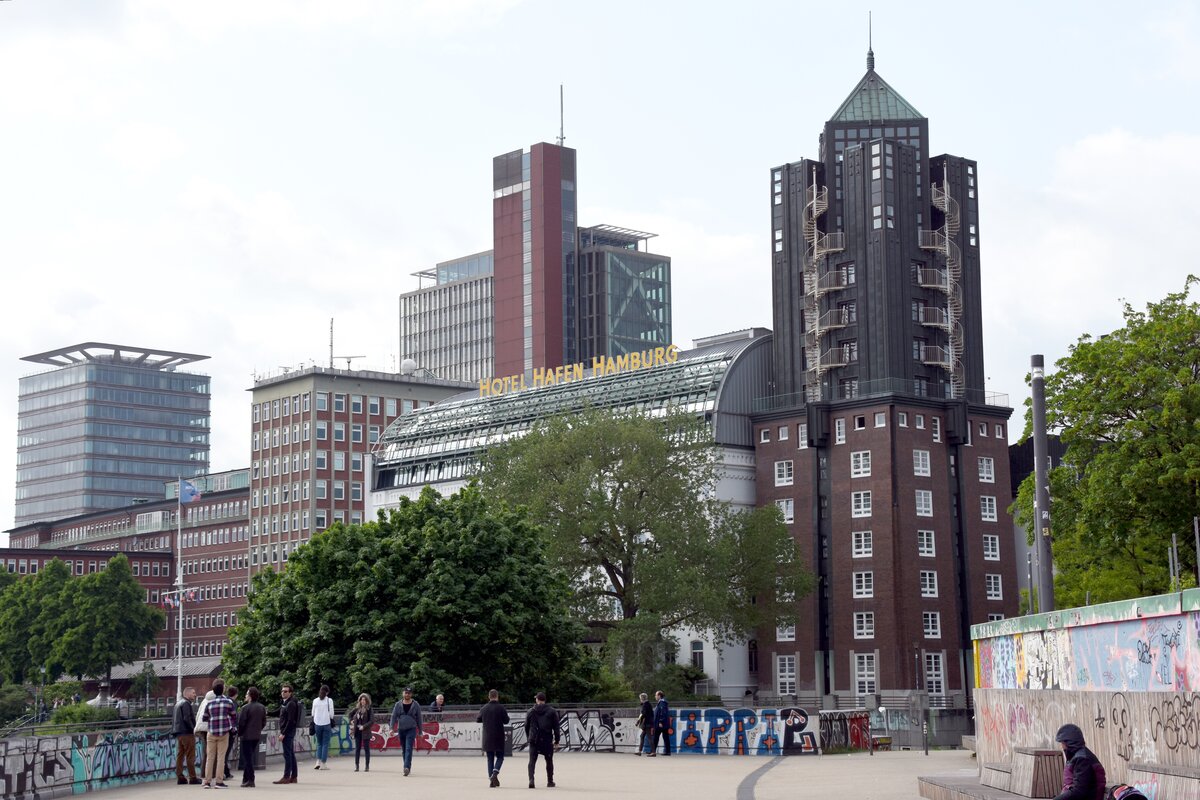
(51, 766)
(1128, 673)
(701, 731)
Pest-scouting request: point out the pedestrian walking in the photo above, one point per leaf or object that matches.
(322, 717)
(541, 730)
(183, 728)
(362, 718)
(406, 721)
(221, 717)
(202, 727)
(662, 725)
(645, 723)
(289, 722)
(494, 718)
(250, 723)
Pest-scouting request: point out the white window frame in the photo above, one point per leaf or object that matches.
(862, 544)
(802, 436)
(931, 624)
(865, 682)
(991, 547)
(924, 500)
(929, 583)
(860, 504)
(935, 674)
(926, 544)
(987, 469)
(864, 624)
(936, 422)
(764, 436)
(995, 586)
(864, 584)
(920, 422)
(902, 419)
(785, 675)
(783, 433)
(921, 463)
(786, 633)
(860, 464)
(784, 473)
(987, 508)
(880, 419)
(839, 431)
(787, 507)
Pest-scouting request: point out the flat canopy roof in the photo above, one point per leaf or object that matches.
(114, 353)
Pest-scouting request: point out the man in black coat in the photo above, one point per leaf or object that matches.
(183, 726)
(289, 721)
(541, 729)
(494, 717)
(250, 722)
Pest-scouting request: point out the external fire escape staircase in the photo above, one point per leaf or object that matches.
(948, 281)
(817, 248)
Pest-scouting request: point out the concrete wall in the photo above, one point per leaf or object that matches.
(1128, 673)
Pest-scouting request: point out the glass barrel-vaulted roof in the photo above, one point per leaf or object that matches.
(460, 426)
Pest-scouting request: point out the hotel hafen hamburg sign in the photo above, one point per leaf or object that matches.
(602, 365)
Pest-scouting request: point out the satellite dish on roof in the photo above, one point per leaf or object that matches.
(408, 366)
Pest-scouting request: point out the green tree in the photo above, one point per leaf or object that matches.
(443, 594)
(627, 503)
(144, 683)
(33, 614)
(110, 622)
(1127, 406)
(18, 609)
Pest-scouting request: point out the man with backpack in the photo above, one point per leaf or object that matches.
(541, 729)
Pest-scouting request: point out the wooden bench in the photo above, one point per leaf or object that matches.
(997, 775)
(1169, 780)
(1036, 772)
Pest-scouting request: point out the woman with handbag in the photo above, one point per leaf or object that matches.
(322, 725)
(362, 718)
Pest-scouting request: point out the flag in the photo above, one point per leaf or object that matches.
(188, 492)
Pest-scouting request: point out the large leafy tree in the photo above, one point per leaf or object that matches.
(442, 594)
(1127, 406)
(629, 508)
(110, 622)
(34, 612)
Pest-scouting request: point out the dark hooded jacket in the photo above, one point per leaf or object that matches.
(1083, 774)
(541, 728)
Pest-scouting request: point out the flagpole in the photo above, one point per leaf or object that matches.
(179, 588)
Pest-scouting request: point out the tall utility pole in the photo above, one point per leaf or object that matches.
(1041, 502)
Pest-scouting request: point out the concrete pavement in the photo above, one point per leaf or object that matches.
(858, 776)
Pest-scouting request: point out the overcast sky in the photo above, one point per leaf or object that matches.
(224, 177)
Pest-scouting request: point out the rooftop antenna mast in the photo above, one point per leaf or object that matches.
(562, 137)
(870, 44)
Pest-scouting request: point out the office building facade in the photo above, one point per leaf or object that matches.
(533, 241)
(624, 293)
(447, 328)
(879, 444)
(105, 427)
(310, 433)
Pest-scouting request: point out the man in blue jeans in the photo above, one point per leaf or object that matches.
(289, 720)
(406, 721)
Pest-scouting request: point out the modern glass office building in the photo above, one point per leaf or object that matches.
(106, 427)
(446, 328)
(624, 293)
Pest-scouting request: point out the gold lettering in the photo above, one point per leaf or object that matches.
(497, 386)
(672, 354)
(598, 366)
(635, 360)
(539, 377)
(484, 389)
(622, 362)
(577, 372)
(658, 355)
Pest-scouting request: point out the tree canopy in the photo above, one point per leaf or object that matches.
(1127, 406)
(449, 595)
(77, 625)
(628, 504)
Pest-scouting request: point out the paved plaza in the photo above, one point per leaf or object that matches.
(884, 776)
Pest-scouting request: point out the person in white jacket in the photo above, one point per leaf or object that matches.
(322, 717)
(201, 725)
